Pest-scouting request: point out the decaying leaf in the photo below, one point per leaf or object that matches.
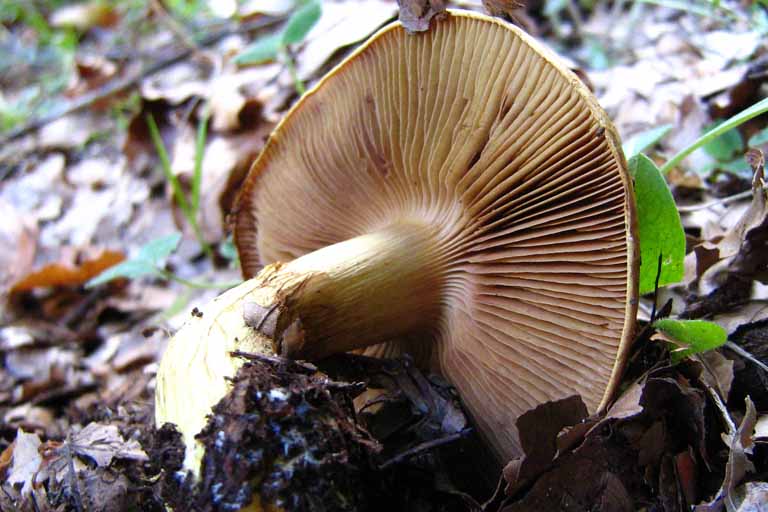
(102, 442)
(538, 430)
(26, 461)
(69, 273)
(416, 15)
(740, 444)
(502, 8)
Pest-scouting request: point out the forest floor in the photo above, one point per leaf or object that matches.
(125, 131)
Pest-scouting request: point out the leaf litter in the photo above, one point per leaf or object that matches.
(86, 190)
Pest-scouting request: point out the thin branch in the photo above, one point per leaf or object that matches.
(427, 445)
(725, 200)
(746, 355)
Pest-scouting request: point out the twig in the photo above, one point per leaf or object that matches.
(423, 447)
(121, 84)
(725, 200)
(746, 355)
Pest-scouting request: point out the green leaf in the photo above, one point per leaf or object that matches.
(726, 146)
(695, 335)
(639, 142)
(262, 50)
(129, 269)
(157, 250)
(759, 138)
(659, 228)
(301, 22)
(148, 261)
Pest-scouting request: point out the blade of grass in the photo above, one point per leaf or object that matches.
(165, 165)
(197, 176)
(178, 193)
(291, 65)
(742, 117)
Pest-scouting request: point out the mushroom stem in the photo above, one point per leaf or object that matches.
(363, 291)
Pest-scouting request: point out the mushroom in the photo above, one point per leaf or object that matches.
(457, 195)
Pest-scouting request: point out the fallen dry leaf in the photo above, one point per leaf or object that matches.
(538, 429)
(416, 15)
(502, 8)
(102, 443)
(18, 245)
(26, 461)
(68, 273)
(740, 444)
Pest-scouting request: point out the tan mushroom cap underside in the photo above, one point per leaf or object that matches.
(474, 130)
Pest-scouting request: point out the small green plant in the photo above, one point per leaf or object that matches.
(189, 205)
(150, 261)
(659, 228)
(733, 122)
(691, 336)
(277, 45)
(661, 233)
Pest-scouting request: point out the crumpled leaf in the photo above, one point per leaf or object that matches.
(538, 429)
(502, 8)
(416, 15)
(741, 444)
(26, 461)
(718, 372)
(101, 443)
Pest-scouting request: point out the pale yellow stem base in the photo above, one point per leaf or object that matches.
(367, 290)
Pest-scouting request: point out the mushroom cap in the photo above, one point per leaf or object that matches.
(476, 129)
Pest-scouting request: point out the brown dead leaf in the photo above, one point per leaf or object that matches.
(18, 245)
(596, 476)
(416, 15)
(502, 8)
(102, 443)
(718, 372)
(93, 71)
(740, 443)
(74, 272)
(538, 430)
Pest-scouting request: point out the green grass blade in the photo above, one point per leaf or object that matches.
(197, 176)
(165, 165)
(742, 117)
